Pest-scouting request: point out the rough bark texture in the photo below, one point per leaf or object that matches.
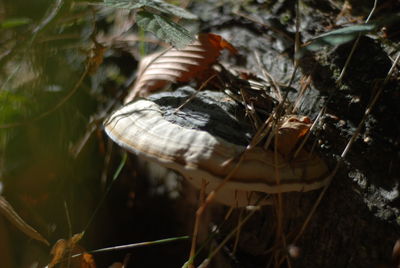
(344, 232)
(358, 220)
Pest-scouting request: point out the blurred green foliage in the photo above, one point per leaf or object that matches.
(49, 102)
(45, 107)
(40, 63)
(155, 16)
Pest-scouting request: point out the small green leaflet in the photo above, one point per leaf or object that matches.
(14, 22)
(164, 29)
(346, 34)
(340, 36)
(151, 6)
(169, 9)
(124, 4)
(152, 18)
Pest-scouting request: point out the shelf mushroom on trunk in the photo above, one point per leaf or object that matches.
(202, 141)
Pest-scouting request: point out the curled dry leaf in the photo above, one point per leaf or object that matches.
(87, 261)
(158, 70)
(291, 130)
(58, 252)
(63, 251)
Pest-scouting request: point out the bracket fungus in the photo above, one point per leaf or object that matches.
(202, 141)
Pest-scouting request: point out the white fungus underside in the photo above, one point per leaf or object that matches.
(140, 128)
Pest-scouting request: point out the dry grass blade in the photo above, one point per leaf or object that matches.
(7, 210)
(158, 70)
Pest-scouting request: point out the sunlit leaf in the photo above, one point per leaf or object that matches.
(169, 9)
(153, 16)
(164, 29)
(159, 6)
(125, 4)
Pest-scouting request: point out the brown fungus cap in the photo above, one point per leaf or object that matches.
(202, 141)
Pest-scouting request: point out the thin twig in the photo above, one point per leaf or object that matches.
(194, 94)
(115, 176)
(196, 225)
(269, 78)
(278, 196)
(69, 257)
(340, 78)
(305, 84)
(135, 245)
(296, 44)
(316, 121)
(275, 30)
(236, 243)
(347, 148)
(232, 233)
(370, 106)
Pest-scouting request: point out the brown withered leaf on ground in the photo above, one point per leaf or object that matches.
(87, 261)
(63, 250)
(291, 130)
(158, 70)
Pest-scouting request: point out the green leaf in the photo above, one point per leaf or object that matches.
(347, 34)
(340, 36)
(152, 6)
(14, 22)
(169, 9)
(12, 106)
(128, 4)
(164, 29)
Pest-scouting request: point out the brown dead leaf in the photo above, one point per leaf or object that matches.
(88, 261)
(158, 70)
(96, 57)
(58, 251)
(291, 130)
(63, 250)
